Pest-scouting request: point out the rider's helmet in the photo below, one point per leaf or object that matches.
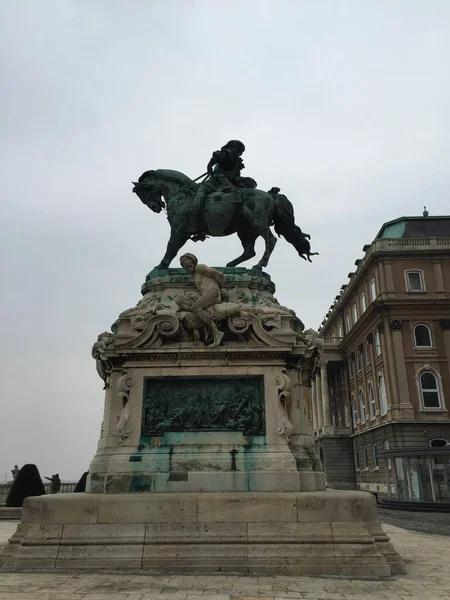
(239, 146)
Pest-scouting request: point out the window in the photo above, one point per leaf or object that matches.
(354, 314)
(383, 395)
(422, 336)
(372, 407)
(363, 303)
(347, 323)
(366, 458)
(362, 406)
(375, 456)
(429, 390)
(372, 290)
(346, 414)
(386, 447)
(358, 361)
(377, 343)
(354, 413)
(350, 367)
(367, 353)
(340, 331)
(357, 459)
(438, 443)
(414, 280)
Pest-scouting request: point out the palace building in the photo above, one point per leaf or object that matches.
(381, 393)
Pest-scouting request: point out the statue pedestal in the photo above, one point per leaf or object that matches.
(182, 416)
(309, 533)
(206, 460)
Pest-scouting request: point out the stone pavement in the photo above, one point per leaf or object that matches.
(427, 558)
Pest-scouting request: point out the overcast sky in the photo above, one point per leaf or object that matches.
(344, 105)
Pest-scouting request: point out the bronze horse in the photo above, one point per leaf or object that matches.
(247, 212)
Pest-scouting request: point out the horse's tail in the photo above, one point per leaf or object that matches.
(284, 222)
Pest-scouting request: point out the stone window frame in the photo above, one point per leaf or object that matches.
(340, 331)
(362, 303)
(429, 333)
(362, 405)
(372, 290)
(438, 440)
(367, 358)
(442, 406)
(372, 401)
(354, 411)
(386, 447)
(358, 361)
(365, 458)
(375, 457)
(380, 375)
(354, 314)
(347, 323)
(356, 459)
(422, 281)
(377, 343)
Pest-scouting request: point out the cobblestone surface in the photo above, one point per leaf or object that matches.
(428, 578)
(426, 522)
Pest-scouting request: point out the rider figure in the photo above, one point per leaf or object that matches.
(224, 171)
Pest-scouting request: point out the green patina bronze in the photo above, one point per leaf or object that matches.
(203, 404)
(223, 204)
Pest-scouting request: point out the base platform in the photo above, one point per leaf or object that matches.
(332, 533)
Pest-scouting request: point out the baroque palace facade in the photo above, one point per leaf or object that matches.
(382, 390)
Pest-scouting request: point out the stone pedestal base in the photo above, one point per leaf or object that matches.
(309, 533)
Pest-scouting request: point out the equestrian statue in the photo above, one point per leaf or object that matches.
(222, 204)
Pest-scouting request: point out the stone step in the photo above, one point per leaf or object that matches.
(10, 514)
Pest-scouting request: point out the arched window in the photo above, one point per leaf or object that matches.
(422, 336)
(438, 443)
(362, 406)
(371, 400)
(377, 343)
(429, 390)
(383, 395)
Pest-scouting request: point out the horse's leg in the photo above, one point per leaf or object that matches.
(248, 239)
(176, 241)
(269, 239)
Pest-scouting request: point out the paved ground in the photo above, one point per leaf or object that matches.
(426, 522)
(427, 557)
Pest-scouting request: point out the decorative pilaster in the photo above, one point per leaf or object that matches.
(124, 385)
(319, 402)
(406, 408)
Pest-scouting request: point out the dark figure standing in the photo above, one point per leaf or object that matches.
(28, 482)
(224, 171)
(55, 484)
(15, 471)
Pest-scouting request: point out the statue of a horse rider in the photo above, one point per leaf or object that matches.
(223, 204)
(224, 170)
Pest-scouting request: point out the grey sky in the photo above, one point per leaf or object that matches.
(342, 104)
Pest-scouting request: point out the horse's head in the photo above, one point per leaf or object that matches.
(149, 193)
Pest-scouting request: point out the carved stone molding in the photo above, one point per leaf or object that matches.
(124, 385)
(444, 323)
(284, 426)
(395, 324)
